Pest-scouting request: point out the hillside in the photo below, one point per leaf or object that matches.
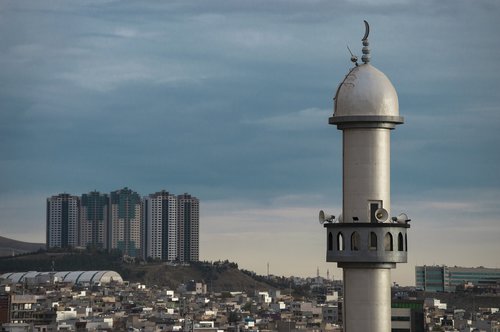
(8, 247)
(219, 276)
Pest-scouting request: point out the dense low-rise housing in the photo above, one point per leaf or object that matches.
(100, 301)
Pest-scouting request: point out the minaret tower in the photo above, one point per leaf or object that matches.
(364, 241)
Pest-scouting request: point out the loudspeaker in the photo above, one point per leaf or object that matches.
(401, 219)
(381, 215)
(325, 217)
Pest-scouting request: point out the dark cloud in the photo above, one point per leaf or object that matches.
(230, 100)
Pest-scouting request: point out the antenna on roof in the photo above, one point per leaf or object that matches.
(354, 58)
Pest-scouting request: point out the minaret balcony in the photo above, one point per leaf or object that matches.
(367, 242)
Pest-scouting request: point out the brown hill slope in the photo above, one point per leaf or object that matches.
(9, 247)
(220, 276)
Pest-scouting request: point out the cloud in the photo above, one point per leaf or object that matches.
(230, 101)
(125, 32)
(107, 76)
(306, 119)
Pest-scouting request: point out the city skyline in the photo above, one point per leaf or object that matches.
(231, 100)
(159, 226)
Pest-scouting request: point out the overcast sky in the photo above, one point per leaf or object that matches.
(229, 101)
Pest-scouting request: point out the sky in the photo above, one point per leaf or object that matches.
(229, 101)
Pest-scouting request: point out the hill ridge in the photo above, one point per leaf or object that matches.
(8, 247)
(219, 276)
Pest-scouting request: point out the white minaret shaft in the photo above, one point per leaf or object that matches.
(366, 180)
(367, 298)
(366, 244)
(366, 172)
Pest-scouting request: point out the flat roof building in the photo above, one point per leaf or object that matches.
(446, 279)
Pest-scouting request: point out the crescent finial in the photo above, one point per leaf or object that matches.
(367, 30)
(366, 51)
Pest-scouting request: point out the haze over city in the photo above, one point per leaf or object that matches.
(229, 101)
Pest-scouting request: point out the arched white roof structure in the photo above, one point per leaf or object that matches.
(71, 277)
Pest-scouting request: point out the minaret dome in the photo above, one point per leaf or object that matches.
(366, 91)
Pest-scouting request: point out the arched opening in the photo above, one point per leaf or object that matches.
(372, 243)
(400, 242)
(330, 241)
(388, 246)
(406, 242)
(340, 242)
(355, 241)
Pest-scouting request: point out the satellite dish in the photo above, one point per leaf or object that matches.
(401, 219)
(325, 217)
(381, 215)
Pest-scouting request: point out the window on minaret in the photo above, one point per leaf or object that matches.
(373, 241)
(388, 242)
(340, 242)
(373, 207)
(330, 241)
(400, 242)
(355, 241)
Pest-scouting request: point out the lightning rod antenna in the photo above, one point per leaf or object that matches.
(354, 58)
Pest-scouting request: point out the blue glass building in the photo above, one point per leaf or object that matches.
(446, 279)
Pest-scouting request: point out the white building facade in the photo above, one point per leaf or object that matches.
(160, 223)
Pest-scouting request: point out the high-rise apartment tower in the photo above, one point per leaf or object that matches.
(126, 222)
(160, 226)
(188, 220)
(94, 209)
(62, 221)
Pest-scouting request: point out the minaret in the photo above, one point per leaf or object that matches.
(364, 241)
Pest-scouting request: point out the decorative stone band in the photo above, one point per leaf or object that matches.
(366, 242)
(363, 265)
(365, 121)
